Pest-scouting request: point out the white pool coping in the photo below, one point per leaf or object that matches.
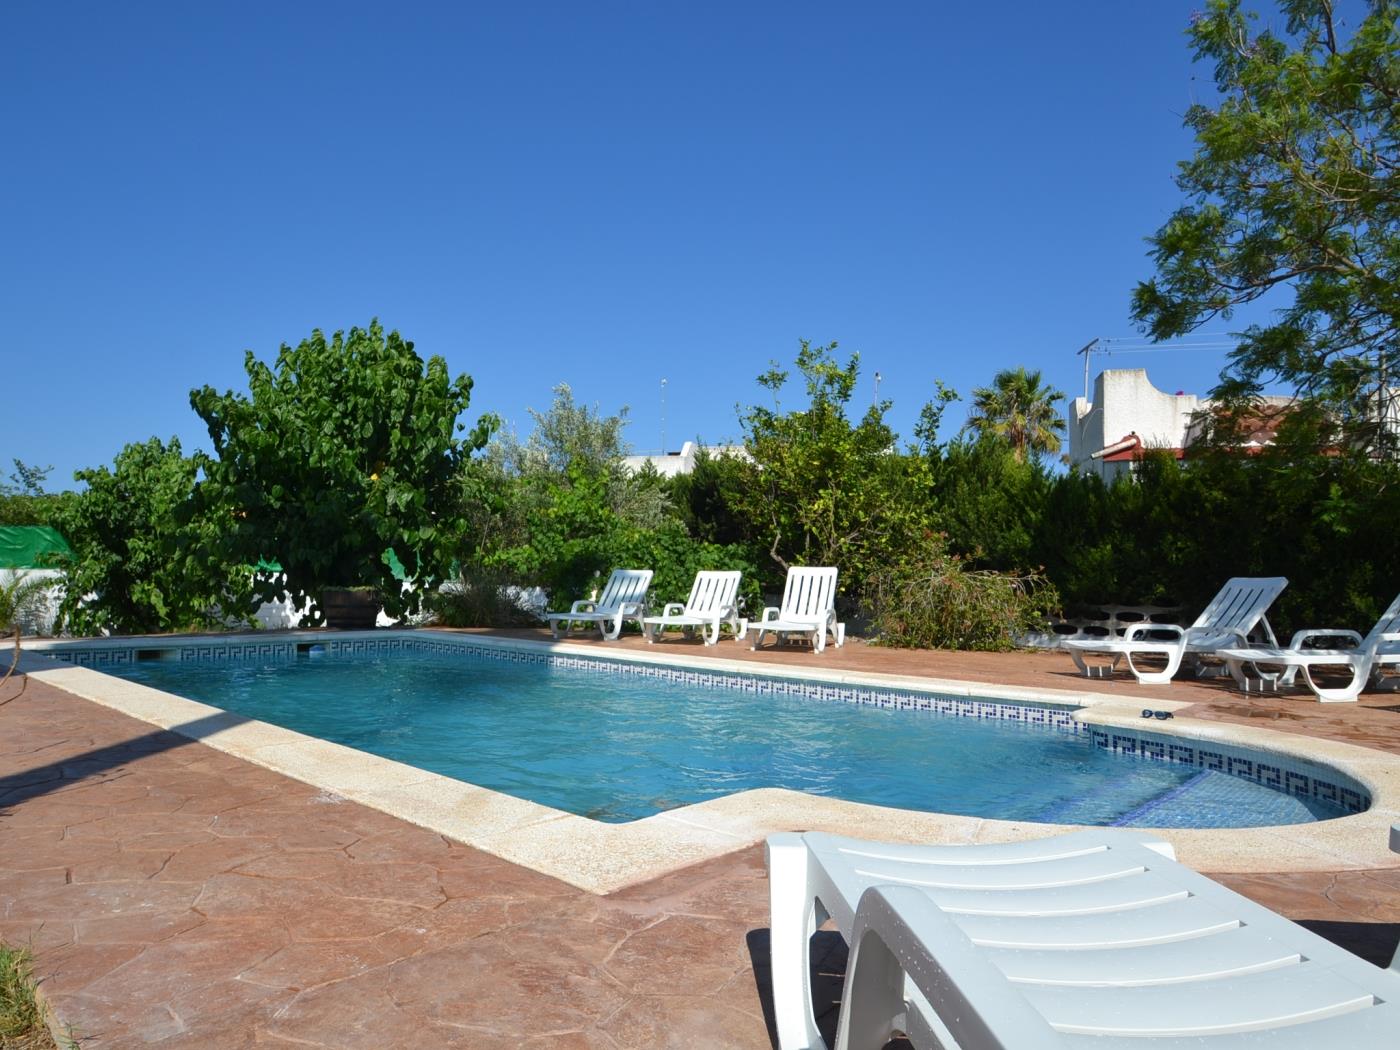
(602, 858)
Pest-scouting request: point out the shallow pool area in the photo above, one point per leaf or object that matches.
(621, 746)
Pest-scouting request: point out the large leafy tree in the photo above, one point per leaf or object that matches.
(1020, 409)
(144, 558)
(823, 488)
(1294, 189)
(345, 449)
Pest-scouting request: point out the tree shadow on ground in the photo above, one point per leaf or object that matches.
(68, 772)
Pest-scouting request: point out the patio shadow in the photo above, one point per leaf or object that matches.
(17, 788)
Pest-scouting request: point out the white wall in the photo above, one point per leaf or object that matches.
(1126, 402)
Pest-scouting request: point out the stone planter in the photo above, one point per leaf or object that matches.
(350, 608)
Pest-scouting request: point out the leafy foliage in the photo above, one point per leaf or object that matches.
(1295, 186)
(145, 558)
(23, 598)
(344, 449)
(23, 500)
(933, 600)
(822, 489)
(477, 597)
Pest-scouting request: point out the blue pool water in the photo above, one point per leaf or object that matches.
(618, 747)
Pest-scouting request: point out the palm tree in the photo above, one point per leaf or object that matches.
(22, 599)
(1017, 408)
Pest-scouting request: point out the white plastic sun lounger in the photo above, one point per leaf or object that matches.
(1095, 940)
(808, 607)
(713, 602)
(1378, 649)
(624, 597)
(1226, 621)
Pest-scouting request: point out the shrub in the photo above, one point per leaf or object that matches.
(935, 601)
(478, 597)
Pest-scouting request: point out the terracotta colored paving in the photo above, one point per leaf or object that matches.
(177, 896)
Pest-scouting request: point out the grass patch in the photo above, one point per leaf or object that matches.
(22, 1024)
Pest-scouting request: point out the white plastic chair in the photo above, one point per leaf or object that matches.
(1226, 621)
(624, 597)
(808, 607)
(713, 602)
(1380, 648)
(1095, 939)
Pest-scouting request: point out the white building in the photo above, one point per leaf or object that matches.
(1128, 415)
(669, 464)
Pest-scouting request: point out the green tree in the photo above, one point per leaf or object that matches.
(23, 500)
(989, 501)
(1294, 189)
(343, 450)
(823, 489)
(144, 559)
(1019, 409)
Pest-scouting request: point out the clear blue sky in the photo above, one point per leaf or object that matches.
(600, 194)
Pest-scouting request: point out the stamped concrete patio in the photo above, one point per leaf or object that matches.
(178, 896)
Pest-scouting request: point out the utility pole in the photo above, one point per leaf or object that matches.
(1086, 350)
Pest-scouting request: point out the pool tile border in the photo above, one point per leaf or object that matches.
(605, 857)
(1306, 780)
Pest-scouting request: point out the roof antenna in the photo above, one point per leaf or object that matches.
(1086, 349)
(663, 417)
(876, 399)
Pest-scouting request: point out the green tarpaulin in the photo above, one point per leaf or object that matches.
(31, 547)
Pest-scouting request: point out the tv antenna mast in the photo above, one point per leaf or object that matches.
(663, 417)
(1086, 350)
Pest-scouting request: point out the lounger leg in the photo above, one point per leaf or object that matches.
(1346, 694)
(793, 921)
(1094, 670)
(757, 642)
(710, 635)
(872, 997)
(1157, 677)
(818, 639)
(611, 636)
(1236, 669)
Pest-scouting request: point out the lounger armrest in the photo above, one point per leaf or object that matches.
(673, 609)
(1146, 625)
(583, 605)
(770, 612)
(1302, 638)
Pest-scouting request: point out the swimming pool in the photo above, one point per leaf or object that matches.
(621, 745)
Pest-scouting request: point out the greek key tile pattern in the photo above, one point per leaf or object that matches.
(1296, 777)
(1281, 773)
